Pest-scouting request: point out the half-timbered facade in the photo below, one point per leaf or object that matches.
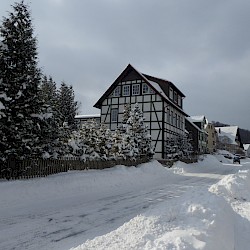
(160, 101)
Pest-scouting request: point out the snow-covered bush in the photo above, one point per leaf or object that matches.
(178, 147)
(130, 140)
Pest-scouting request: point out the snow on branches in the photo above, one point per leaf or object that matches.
(130, 140)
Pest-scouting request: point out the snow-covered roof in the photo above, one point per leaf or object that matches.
(229, 132)
(157, 87)
(246, 146)
(191, 121)
(198, 118)
(87, 116)
(157, 84)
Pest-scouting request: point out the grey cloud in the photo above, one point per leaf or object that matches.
(202, 46)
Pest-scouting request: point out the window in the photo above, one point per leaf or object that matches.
(179, 100)
(114, 115)
(168, 115)
(135, 89)
(145, 88)
(126, 90)
(178, 121)
(117, 91)
(171, 93)
(172, 118)
(175, 97)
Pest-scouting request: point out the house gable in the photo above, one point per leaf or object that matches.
(132, 76)
(164, 118)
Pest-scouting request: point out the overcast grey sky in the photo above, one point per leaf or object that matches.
(202, 46)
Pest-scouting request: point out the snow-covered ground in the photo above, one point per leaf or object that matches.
(205, 205)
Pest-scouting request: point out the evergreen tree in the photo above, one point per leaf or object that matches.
(19, 80)
(178, 147)
(126, 114)
(48, 92)
(138, 134)
(67, 106)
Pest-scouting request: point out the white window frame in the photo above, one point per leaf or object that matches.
(114, 115)
(117, 91)
(145, 88)
(136, 89)
(127, 93)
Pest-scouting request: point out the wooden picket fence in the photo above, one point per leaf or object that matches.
(34, 168)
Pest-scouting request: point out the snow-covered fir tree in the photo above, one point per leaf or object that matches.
(67, 106)
(137, 134)
(117, 150)
(126, 114)
(19, 80)
(86, 142)
(48, 92)
(178, 147)
(52, 127)
(103, 142)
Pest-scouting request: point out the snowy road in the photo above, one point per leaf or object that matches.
(65, 210)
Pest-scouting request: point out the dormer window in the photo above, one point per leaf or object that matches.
(179, 100)
(171, 94)
(175, 97)
(135, 89)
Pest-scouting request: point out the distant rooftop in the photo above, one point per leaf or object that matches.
(87, 116)
(230, 132)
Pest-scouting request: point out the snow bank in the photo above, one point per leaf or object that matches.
(197, 220)
(207, 164)
(203, 218)
(234, 186)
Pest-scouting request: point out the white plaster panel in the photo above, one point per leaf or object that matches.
(157, 156)
(158, 146)
(115, 101)
(154, 134)
(139, 98)
(146, 106)
(104, 109)
(158, 105)
(107, 118)
(121, 108)
(155, 125)
(146, 116)
(122, 100)
(147, 98)
(159, 115)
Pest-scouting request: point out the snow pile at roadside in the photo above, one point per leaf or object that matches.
(234, 186)
(203, 218)
(208, 164)
(197, 220)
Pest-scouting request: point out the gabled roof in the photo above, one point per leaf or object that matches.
(197, 118)
(230, 132)
(155, 83)
(190, 120)
(87, 116)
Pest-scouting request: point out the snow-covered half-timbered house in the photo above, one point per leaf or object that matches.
(160, 101)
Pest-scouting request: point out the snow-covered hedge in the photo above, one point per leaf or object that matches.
(130, 140)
